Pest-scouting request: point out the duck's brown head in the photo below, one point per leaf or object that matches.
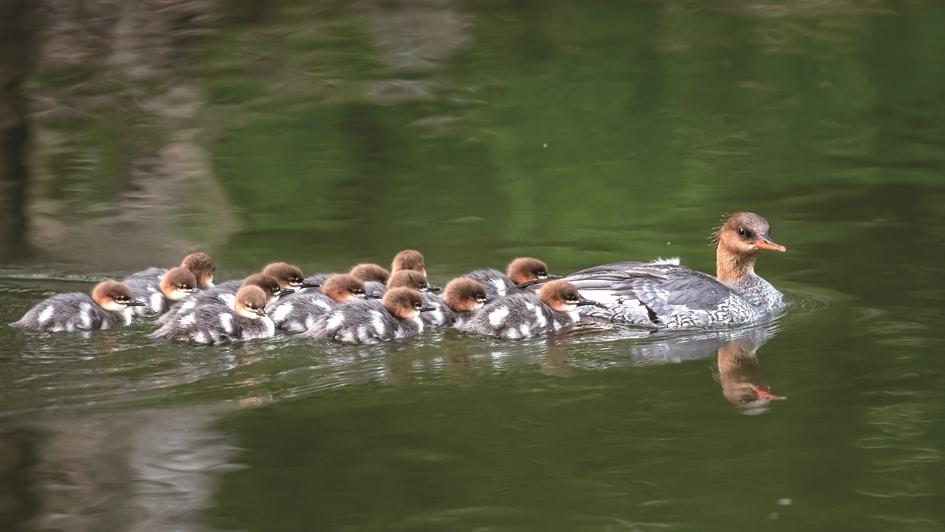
(114, 297)
(409, 259)
(403, 303)
(178, 283)
(201, 265)
(464, 295)
(342, 287)
(268, 284)
(740, 239)
(250, 302)
(562, 296)
(370, 272)
(409, 279)
(288, 275)
(526, 269)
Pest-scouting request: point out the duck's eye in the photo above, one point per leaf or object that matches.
(541, 273)
(213, 269)
(417, 306)
(745, 232)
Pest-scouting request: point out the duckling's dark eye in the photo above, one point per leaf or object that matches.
(417, 306)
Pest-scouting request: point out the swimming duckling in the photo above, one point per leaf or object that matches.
(147, 283)
(297, 312)
(440, 314)
(519, 271)
(374, 278)
(525, 314)
(409, 259)
(214, 323)
(371, 321)
(174, 285)
(109, 306)
(225, 293)
(463, 297)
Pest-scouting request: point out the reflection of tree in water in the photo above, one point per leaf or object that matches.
(120, 149)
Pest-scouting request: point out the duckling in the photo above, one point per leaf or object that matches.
(441, 314)
(463, 297)
(409, 259)
(176, 284)
(224, 294)
(374, 278)
(214, 323)
(146, 283)
(372, 321)
(109, 306)
(520, 271)
(297, 312)
(525, 314)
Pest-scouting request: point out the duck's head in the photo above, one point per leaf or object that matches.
(527, 269)
(410, 279)
(201, 265)
(250, 302)
(464, 295)
(740, 239)
(178, 283)
(409, 259)
(267, 283)
(343, 287)
(114, 297)
(370, 272)
(288, 275)
(404, 303)
(562, 296)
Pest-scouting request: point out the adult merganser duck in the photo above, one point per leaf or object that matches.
(213, 323)
(109, 306)
(664, 294)
(371, 321)
(174, 285)
(520, 271)
(297, 312)
(525, 314)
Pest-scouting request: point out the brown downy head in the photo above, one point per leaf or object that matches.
(201, 265)
(370, 272)
(178, 283)
(114, 297)
(740, 239)
(409, 279)
(268, 284)
(409, 259)
(250, 302)
(561, 296)
(525, 269)
(288, 275)
(464, 295)
(342, 287)
(403, 303)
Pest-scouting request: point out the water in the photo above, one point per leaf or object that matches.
(342, 132)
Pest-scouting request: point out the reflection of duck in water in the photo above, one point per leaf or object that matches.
(738, 372)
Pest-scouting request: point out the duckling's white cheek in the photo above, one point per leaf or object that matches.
(178, 295)
(114, 306)
(478, 305)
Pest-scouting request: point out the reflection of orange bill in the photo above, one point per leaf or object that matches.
(765, 394)
(764, 243)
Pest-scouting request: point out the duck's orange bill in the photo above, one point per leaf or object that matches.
(764, 243)
(765, 394)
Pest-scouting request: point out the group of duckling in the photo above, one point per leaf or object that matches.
(370, 304)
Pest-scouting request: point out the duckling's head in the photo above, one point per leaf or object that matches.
(746, 233)
(525, 269)
(114, 297)
(178, 283)
(403, 303)
(464, 295)
(288, 275)
(343, 287)
(409, 279)
(268, 284)
(201, 265)
(370, 272)
(250, 302)
(562, 296)
(409, 259)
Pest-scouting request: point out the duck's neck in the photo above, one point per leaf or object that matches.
(731, 267)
